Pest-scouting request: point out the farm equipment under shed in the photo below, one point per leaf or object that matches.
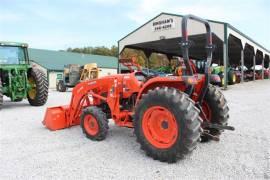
(169, 114)
(233, 75)
(74, 74)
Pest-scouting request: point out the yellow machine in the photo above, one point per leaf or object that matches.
(90, 71)
(74, 73)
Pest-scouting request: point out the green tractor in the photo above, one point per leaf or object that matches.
(18, 79)
(232, 76)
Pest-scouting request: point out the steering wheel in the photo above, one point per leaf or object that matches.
(140, 76)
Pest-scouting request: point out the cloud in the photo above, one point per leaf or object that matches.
(10, 17)
(209, 9)
(250, 17)
(145, 9)
(60, 24)
(105, 2)
(53, 41)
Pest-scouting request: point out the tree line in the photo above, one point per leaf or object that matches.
(98, 50)
(156, 60)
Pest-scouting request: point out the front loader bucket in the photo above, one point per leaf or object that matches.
(56, 118)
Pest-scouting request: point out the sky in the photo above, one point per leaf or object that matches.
(59, 24)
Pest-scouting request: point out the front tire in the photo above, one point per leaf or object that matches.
(94, 123)
(18, 100)
(231, 77)
(38, 94)
(61, 87)
(167, 124)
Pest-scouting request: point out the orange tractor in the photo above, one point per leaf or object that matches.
(170, 115)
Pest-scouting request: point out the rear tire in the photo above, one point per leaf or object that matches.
(38, 95)
(183, 119)
(18, 100)
(61, 87)
(231, 77)
(1, 94)
(218, 108)
(222, 82)
(94, 123)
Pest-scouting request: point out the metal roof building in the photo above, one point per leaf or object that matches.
(162, 34)
(52, 62)
(55, 60)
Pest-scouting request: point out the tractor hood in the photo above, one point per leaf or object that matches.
(16, 44)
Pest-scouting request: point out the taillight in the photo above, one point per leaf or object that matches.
(191, 80)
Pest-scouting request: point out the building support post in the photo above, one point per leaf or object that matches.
(118, 64)
(254, 64)
(225, 56)
(242, 65)
(147, 55)
(263, 68)
(225, 64)
(269, 68)
(169, 57)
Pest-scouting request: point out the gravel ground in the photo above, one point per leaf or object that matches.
(29, 151)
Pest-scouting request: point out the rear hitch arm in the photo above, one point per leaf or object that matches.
(207, 133)
(210, 136)
(218, 126)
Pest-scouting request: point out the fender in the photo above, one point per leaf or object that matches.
(178, 82)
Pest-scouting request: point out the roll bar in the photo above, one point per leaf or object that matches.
(185, 44)
(195, 18)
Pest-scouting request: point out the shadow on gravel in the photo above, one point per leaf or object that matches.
(13, 105)
(54, 90)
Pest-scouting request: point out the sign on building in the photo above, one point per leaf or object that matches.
(163, 24)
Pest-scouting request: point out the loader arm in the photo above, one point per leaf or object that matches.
(84, 94)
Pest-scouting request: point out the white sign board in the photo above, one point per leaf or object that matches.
(163, 24)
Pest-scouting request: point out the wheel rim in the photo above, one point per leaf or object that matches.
(160, 127)
(33, 91)
(61, 87)
(91, 125)
(207, 111)
(234, 78)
